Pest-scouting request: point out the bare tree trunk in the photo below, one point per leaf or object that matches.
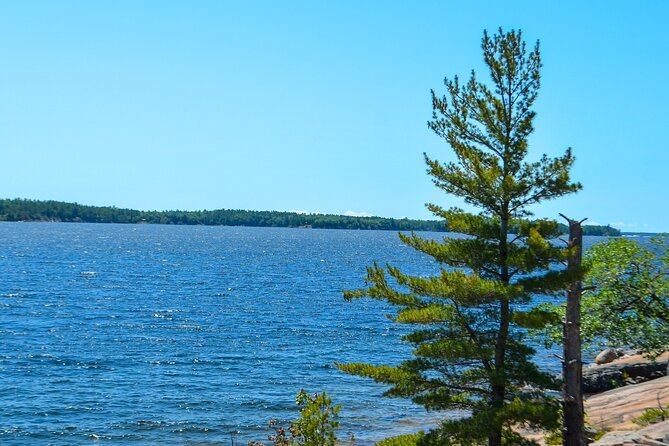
(573, 433)
(495, 438)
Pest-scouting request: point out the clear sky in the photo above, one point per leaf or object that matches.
(317, 106)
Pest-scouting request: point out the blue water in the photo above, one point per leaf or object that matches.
(151, 334)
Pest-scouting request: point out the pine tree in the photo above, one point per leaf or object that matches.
(470, 349)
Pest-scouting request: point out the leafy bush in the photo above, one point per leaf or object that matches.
(315, 426)
(318, 420)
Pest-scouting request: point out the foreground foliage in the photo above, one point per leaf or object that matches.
(402, 440)
(470, 350)
(652, 416)
(315, 427)
(627, 302)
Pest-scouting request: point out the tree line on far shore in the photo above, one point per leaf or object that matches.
(48, 210)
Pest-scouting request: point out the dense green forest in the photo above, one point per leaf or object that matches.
(35, 210)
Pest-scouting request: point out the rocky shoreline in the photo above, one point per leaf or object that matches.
(620, 392)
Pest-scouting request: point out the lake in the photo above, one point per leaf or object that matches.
(153, 334)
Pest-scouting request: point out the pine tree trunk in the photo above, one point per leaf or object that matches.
(573, 432)
(495, 438)
(499, 381)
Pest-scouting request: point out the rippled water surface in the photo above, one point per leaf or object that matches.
(151, 334)
(184, 335)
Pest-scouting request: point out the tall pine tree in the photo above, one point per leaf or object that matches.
(470, 353)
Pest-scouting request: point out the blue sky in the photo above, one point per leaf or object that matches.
(317, 106)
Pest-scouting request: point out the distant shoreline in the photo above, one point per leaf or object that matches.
(58, 211)
(640, 234)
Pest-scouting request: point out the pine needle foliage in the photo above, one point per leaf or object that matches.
(470, 351)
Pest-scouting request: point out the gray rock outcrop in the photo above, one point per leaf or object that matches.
(607, 377)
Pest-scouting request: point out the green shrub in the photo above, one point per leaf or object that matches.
(652, 416)
(315, 426)
(402, 440)
(318, 420)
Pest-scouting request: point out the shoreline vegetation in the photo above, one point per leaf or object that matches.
(19, 209)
